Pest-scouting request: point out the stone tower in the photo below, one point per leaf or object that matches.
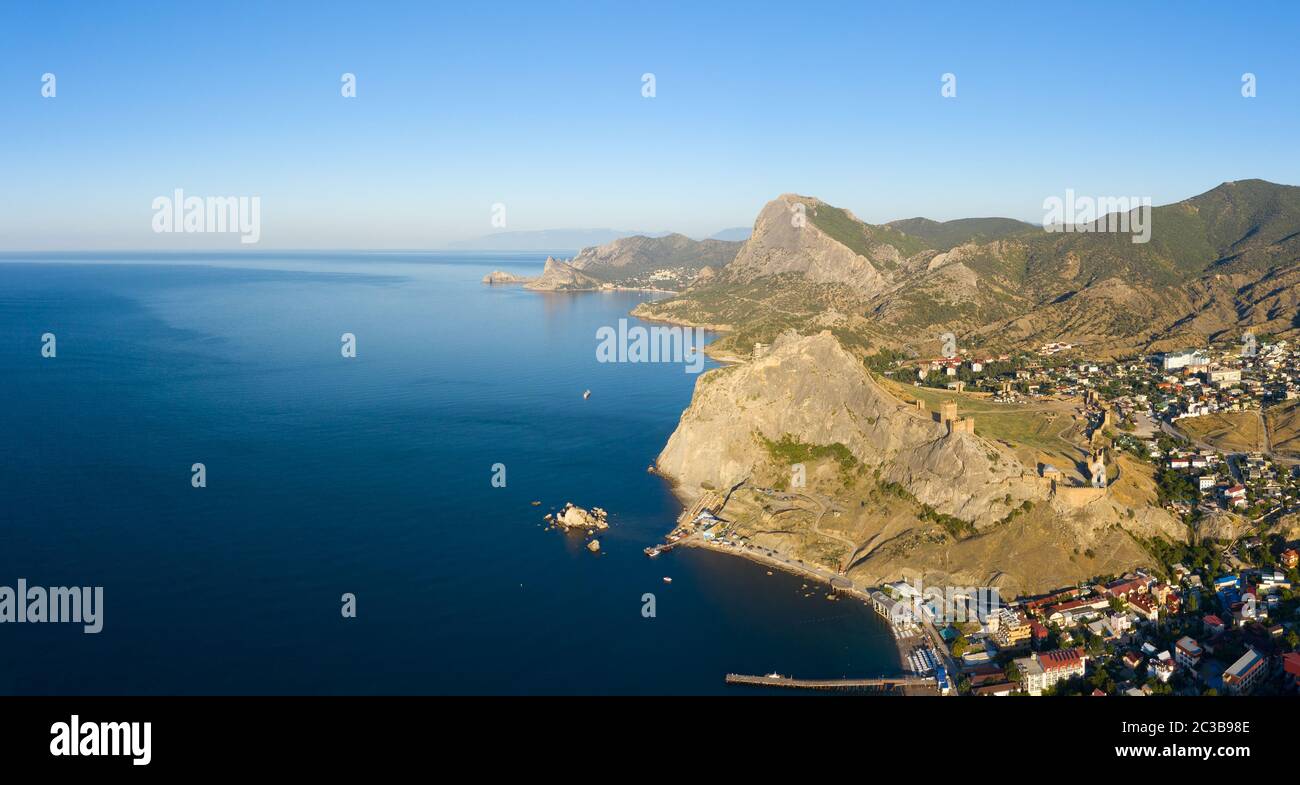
(948, 416)
(1097, 468)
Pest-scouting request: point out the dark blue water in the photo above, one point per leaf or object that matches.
(371, 476)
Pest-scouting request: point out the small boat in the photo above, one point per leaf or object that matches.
(667, 579)
(652, 552)
(586, 394)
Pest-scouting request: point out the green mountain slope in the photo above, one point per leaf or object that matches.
(1216, 263)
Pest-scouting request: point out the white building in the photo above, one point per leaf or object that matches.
(1224, 375)
(1188, 652)
(1045, 669)
(1162, 666)
(1189, 359)
(1242, 676)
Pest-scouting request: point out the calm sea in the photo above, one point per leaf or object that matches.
(369, 476)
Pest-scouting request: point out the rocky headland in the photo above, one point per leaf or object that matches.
(558, 276)
(502, 277)
(825, 466)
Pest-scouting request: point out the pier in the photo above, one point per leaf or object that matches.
(908, 685)
(711, 501)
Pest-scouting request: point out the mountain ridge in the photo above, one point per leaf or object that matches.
(1218, 262)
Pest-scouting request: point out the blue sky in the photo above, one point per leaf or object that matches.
(538, 106)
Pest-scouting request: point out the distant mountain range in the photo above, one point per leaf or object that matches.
(1216, 264)
(570, 239)
(547, 240)
(734, 234)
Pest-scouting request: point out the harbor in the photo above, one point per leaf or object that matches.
(921, 650)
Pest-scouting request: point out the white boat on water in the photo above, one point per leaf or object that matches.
(667, 579)
(586, 394)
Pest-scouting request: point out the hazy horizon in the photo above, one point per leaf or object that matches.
(209, 243)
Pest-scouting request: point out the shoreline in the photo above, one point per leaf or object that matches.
(721, 329)
(610, 288)
(713, 328)
(902, 643)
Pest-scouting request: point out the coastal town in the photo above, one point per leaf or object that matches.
(1216, 615)
(1192, 627)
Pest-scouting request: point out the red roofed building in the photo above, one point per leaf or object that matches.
(1038, 634)
(1041, 671)
(1068, 613)
(1144, 606)
(1291, 666)
(1188, 652)
(1033, 606)
(1213, 624)
(1290, 558)
(1123, 588)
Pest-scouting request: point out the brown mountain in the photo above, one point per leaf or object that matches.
(669, 262)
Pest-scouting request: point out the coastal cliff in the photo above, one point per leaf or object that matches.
(811, 390)
(826, 466)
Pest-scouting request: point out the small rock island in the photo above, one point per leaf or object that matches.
(572, 517)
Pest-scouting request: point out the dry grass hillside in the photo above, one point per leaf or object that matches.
(1227, 431)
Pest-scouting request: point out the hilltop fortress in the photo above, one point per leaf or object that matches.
(892, 488)
(947, 415)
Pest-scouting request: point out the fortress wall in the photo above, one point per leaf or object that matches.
(1075, 496)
